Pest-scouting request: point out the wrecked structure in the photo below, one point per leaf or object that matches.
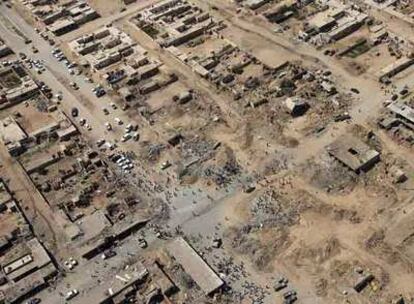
(16, 85)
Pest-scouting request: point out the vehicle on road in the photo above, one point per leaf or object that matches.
(355, 90)
(74, 112)
(74, 85)
(100, 142)
(59, 96)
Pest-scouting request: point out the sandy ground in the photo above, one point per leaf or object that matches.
(365, 225)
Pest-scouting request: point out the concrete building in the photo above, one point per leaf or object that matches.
(28, 267)
(395, 68)
(195, 266)
(24, 259)
(24, 91)
(353, 153)
(255, 4)
(346, 26)
(296, 106)
(403, 112)
(13, 136)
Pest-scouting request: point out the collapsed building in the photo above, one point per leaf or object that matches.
(17, 139)
(15, 86)
(399, 121)
(26, 265)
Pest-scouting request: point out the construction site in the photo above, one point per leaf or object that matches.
(206, 151)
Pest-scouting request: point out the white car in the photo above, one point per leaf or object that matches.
(108, 126)
(124, 163)
(128, 128)
(110, 146)
(165, 165)
(100, 142)
(71, 294)
(120, 160)
(59, 96)
(71, 263)
(126, 137)
(113, 105)
(118, 121)
(68, 265)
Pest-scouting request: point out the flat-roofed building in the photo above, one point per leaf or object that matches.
(62, 26)
(353, 153)
(395, 68)
(13, 136)
(195, 266)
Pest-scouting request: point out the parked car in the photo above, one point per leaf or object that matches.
(142, 243)
(126, 137)
(71, 294)
(108, 254)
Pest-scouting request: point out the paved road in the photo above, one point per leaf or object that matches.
(58, 78)
(90, 108)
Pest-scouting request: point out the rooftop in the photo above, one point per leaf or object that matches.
(195, 266)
